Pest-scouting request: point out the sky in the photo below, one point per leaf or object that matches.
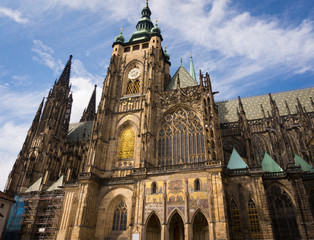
(249, 47)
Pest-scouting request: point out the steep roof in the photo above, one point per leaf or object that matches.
(269, 165)
(236, 161)
(252, 105)
(76, 131)
(56, 185)
(186, 80)
(35, 187)
(303, 164)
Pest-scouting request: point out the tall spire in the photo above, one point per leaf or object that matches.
(89, 112)
(65, 76)
(192, 70)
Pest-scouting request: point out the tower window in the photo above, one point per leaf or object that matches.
(145, 45)
(154, 188)
(127, 49)
(197, 185)
(127, 143)
(129, 88)
(136, 47)
(136, 86)
(235, 221)
(120, 217)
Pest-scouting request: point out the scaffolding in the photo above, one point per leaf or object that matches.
(42, 214)
(15, 221)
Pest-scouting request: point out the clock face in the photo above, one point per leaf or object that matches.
(134, 73)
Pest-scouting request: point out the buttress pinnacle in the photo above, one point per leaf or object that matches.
(90, 112)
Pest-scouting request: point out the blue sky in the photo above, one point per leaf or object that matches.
(249, 47)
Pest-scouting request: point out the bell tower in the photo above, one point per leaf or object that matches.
(139, 68)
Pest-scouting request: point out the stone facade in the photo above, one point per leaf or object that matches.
(153, 163)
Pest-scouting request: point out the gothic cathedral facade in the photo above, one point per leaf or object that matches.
(160, 159)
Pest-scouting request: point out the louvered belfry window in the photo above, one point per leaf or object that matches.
(181, 139)
(120, 217)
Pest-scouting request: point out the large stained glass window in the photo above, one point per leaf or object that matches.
(181, 139)
(127, 143)
(282, 214)
(120, 217)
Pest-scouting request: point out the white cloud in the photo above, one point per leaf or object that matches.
(44, 56)
(13, 14)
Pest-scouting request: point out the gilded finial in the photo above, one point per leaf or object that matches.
(165, 49)
(181, 60)
(156, 22)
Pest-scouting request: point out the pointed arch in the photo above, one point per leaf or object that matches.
(200, 226)
(235, 223)
(153, 188)
(176, 226)
(197, 185)
(120, 217)
(127, 143)
(153, 227)
(254, 224)
(282, 213)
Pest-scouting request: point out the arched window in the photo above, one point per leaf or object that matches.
(311, 201)
(129, 88)
(127, 143)
(254, 226)
(154, 188)
(235, 221)
(181, 139)
(137, 86)
(197, 185)
(282, 214)
(259, 148)
(120, 217)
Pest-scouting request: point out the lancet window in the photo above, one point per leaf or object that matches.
(254, 226)
(127, 143)
(129, 88)
(282, 214)
(235, 221)
(120, 217)
(181, 139)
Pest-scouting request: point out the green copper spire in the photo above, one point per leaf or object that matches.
(192, 70)
(144, 25)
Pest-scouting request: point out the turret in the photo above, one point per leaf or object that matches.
(90, 112)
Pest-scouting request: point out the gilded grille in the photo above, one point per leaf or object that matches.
(129, 89)
(235, 221)
(137, 86)
(127, 143)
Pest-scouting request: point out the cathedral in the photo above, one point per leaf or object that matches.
(160, 159)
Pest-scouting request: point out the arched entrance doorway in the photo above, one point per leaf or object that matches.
(153, 228)
(200, 227)
(176, 228)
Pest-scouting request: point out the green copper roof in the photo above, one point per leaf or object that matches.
(76, 131)
(192, 69)
(303, 164)
(186, 80)
(35, 187)
(269, 165)
(236, 161)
